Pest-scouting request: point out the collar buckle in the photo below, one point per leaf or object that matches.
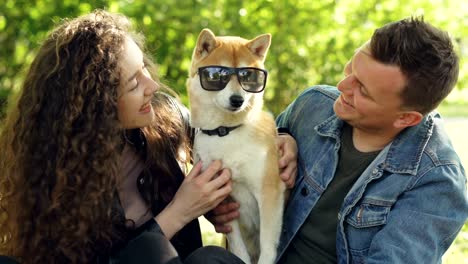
(219, 131)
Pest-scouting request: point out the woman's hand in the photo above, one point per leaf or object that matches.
(200, 192)
(229, 210)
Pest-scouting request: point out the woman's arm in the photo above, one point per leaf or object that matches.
(200, 192)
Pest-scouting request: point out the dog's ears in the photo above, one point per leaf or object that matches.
(205, 44)
(259, 45)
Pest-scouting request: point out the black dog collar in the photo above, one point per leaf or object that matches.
(220, 131)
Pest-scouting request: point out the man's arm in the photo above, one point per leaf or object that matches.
(425, 220)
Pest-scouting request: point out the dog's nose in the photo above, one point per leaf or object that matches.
(236, 101)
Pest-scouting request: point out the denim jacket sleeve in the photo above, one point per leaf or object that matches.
(309, 109)
(432, 204)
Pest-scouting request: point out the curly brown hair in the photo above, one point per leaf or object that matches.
(61, 145)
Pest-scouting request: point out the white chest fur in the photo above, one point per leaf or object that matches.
(244, 157)
(250, 161)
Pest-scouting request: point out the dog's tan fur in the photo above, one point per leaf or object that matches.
(250, 151)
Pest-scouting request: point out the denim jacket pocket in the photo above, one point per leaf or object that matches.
(369, 214)
(362, 223)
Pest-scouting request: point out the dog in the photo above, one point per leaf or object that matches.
(225, 86)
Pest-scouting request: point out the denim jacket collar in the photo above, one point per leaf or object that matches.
(330, 127)
(404, 152)
(409, 145)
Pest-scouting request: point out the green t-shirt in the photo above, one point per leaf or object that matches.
(315, 241)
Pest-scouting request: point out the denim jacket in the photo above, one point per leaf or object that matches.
(406, 207)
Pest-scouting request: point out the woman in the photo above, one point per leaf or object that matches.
(92, 163)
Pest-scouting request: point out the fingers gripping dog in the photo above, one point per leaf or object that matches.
(225, 86)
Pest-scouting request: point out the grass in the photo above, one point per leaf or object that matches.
(456, 109)
(458, 252)
(456, 104)
(456, 128)
(456, 114)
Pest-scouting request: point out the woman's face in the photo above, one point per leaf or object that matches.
(136, 89)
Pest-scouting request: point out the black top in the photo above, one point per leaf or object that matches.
(188, 238)
(315, 241)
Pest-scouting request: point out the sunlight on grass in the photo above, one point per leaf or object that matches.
(456, 128)
(458, 252)
(454, 109)
(456, 104)
(209, 236)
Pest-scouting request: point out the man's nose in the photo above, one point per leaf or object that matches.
(347, 85)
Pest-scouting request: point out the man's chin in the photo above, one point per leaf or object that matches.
(339, 112)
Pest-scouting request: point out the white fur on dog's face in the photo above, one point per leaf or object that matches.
(222, 98)
(211, 109)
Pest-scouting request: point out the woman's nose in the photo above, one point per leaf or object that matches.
(151, 87)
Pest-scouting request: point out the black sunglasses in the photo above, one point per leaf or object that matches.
(215, 78)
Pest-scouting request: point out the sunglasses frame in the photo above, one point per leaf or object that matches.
(232, 71)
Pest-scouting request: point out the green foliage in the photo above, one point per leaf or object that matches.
(312, 40)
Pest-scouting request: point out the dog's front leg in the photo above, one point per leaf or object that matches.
(271, 204)
(235, 243)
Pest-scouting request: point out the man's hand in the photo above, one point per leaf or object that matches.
(288, 159)
(222, 214)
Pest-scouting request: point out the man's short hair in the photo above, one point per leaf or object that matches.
(426, 57)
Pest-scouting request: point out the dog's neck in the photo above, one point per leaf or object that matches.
(219, 131)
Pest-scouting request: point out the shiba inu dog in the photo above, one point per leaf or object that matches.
(225, 86)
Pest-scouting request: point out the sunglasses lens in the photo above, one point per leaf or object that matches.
(214, 78)
(252, 80)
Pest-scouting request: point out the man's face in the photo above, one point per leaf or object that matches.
(370, 93)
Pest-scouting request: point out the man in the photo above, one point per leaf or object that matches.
(378, 179)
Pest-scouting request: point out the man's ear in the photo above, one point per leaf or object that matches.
(408, 119)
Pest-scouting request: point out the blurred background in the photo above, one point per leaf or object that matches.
(312, 40)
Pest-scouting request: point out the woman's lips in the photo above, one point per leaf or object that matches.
(145, 108)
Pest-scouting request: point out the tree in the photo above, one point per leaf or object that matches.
(312, 40)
